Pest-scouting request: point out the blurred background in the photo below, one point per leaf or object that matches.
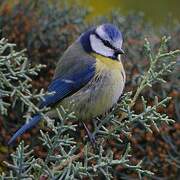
(155, 11)
(46, 29)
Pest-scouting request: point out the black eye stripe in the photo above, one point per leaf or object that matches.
(106, 43)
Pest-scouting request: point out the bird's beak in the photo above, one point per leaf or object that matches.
(121, 51)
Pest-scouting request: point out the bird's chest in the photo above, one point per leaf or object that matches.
(99, 95)
(107, 90)
(108, 85)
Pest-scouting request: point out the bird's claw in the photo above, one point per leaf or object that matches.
(90, 136)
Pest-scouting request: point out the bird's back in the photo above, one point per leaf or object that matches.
(74, 56)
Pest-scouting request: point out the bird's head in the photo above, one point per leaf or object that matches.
(105, 40)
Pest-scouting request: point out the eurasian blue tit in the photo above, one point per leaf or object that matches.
(89, 77)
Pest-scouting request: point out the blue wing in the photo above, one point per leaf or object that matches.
(66, 85)
(63, 85)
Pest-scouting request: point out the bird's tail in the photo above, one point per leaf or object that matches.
(32, 122)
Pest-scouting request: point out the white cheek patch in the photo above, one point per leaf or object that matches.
(98, 46)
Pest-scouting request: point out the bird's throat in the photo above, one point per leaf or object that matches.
(106, 61)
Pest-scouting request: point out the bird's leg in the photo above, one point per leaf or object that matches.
(90, 135)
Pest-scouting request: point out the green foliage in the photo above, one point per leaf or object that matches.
(23, 161)
(15, 75)
(46, 31)
(160, 64)
(68, 158)
(159, 150)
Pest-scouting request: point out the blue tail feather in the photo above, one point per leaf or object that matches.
(32, 122)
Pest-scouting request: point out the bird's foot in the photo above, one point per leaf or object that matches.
(90, 136)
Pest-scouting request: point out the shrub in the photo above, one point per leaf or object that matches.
(65, 154)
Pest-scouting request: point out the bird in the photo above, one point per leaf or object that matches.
(89, 77)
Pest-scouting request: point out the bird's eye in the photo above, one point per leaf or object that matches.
(107, 43)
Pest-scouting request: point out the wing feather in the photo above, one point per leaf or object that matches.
(66, 85)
